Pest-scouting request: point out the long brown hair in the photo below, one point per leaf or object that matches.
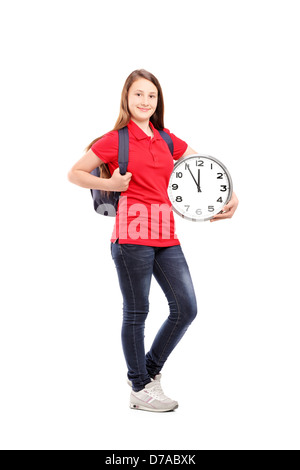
(124, 117)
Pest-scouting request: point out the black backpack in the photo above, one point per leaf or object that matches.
(106, 203)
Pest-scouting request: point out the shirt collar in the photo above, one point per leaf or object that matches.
(139, 133)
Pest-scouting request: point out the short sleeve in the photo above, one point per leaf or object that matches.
(180, 146)
(106, 148)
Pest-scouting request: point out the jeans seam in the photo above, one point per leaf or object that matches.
(178, 309)
(133, 328)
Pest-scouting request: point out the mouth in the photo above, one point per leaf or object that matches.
(144, 109)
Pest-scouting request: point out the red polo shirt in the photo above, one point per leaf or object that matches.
(144, 215)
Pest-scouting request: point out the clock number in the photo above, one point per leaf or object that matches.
(220, 199)
(174, 186)
(186, 166)
(178, 174)
(224, 187)
(220, 176)
(187, 207)
(211, 208)
(178, 199)
(198, 211)
(199, 162)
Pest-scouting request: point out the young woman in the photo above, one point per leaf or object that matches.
(141, 246)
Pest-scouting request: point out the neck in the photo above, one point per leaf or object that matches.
(144, 125)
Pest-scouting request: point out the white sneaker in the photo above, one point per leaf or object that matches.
(152, 398)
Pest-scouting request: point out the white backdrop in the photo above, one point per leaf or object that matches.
(230, 76)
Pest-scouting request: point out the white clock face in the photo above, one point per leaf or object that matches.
(199, 187)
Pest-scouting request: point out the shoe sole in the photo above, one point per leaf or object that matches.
(144, 408)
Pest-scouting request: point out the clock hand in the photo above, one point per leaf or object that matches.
(199, 189)
(193, 177)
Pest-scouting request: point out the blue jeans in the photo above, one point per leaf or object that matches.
(135, 265)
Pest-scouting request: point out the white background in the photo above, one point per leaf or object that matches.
(230, 75)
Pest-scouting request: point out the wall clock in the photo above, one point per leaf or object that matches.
(199, 187)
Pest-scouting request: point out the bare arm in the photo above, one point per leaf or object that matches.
(189, 151)
(80, 175)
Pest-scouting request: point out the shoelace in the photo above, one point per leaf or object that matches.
(157, 392)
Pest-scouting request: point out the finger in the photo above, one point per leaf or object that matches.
(228, 206)
(222, 215)
(230, 209)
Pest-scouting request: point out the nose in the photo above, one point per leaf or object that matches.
(145, 102)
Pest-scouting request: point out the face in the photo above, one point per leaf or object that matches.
(142, 99)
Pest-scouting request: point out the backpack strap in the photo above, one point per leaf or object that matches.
(167, 139)
(123, 150)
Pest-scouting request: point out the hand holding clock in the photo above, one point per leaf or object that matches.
(228, 210)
